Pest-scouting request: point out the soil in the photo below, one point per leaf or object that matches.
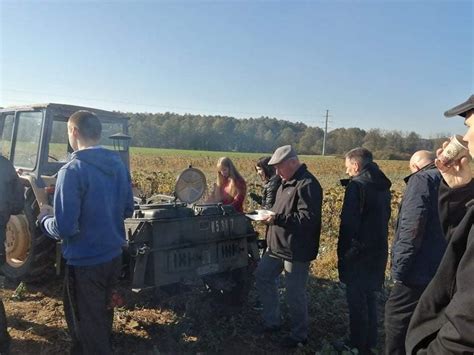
(190, 321)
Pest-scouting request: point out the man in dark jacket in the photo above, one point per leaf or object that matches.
(417, 249)
(93, 197)
(11, 202)
(362, 246)
(293, 242)
(443, 321)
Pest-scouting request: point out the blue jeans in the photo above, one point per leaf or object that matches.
(296, 277)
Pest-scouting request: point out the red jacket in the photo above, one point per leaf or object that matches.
(236, 201)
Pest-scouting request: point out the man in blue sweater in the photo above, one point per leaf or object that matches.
(93, 196)
(417, 250)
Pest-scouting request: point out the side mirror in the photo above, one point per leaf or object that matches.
(122, 146)
(121, 142)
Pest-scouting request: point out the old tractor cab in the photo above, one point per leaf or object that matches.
(35, 139)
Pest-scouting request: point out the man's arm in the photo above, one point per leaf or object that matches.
(456, 336)
(350, 218)
(67, 206)
(452, 205)
(308, 208)
(411, 225)
(16, 191)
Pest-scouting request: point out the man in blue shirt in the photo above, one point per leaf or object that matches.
(93, 196)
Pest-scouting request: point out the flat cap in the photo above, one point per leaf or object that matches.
(281, 154)
(461, 109)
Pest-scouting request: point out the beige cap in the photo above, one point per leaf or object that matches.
(281, 154)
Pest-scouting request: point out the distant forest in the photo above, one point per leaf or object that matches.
(264, 134)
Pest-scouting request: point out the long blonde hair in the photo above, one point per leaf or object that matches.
(234, 175)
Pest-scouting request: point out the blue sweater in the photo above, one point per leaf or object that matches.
(93, 196)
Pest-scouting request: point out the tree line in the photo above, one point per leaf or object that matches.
(264, 134)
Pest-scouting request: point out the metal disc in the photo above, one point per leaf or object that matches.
(190, 185)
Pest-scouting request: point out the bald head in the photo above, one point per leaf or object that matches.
(421, 159)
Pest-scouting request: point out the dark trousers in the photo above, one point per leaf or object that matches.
(4, 337)
(399, 308)
(362, 316)
(87, 305)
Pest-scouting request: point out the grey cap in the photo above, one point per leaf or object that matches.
(281, 154)
(461, 109)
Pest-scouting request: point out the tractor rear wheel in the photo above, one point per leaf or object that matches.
(232, 287)
(30, 253)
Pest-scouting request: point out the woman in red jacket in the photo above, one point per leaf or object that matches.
(230, 187)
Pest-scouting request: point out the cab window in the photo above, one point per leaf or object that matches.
(59, 149)
(27, 139)
(6, 129)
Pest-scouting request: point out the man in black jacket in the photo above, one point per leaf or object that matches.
(417, 249)
(293, 242)
(362, 247)
(11, 202)
(443, 321)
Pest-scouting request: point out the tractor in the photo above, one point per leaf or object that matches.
(170, 239)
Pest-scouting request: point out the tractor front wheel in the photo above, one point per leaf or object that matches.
(30, 253)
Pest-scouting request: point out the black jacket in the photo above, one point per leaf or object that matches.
(11, 191)
(268, 193)
(419, 242)
(362, 246)
(294, 236)
(443, 321)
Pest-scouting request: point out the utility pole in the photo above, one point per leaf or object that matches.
(325, 132)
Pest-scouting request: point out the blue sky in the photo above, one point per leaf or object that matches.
(372, 64)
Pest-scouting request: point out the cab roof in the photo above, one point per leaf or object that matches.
(71, 108)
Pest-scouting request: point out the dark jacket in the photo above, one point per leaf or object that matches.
(93, 196)
(443, 321)
(268, 193)
(362, 246)
(294, 236)
(419, 242)
(11, 191)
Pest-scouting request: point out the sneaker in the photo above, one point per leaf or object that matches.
(290, 343)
